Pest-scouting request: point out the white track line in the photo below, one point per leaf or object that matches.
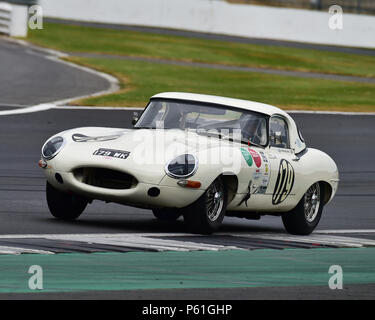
(154, 241)
(17, 250)
(98, 108)
(344, 113)
(346, 231)
(54, 55)
(37, 108)
(140, 241)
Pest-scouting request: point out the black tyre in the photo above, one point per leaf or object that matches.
(304, 218)
(64, 206)
(166, 214)
(207, 213)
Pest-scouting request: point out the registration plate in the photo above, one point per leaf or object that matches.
(119, 154)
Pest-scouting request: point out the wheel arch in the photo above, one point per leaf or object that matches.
(326, 191)
(231, 182)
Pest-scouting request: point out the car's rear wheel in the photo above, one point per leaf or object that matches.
(64, 206)
(207, 213)
(304, 218)
(166, 214)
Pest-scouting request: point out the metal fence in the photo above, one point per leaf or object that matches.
(352, 6)
(5, 18)
(23, 2)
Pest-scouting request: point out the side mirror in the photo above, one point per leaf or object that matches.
(135, 118)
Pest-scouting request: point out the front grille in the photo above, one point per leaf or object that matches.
(105, 178)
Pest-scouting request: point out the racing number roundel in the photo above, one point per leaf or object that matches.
(284, 182)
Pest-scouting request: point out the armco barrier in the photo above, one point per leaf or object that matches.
(5, 18)
(13, 19)
(221, 17)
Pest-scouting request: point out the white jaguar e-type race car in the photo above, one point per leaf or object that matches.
(202, 157)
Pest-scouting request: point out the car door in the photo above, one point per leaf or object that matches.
(281, 164)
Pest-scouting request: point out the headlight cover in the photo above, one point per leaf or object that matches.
(52, 147)
(183, 166)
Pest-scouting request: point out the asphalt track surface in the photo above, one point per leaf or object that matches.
(37, 79)
(348, 139)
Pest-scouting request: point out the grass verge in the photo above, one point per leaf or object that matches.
(142, 80)
(131, 43)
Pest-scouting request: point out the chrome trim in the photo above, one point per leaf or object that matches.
(175, 176)
(57, 151)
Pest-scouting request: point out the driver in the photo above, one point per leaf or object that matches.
(249, 128)
(172, 117)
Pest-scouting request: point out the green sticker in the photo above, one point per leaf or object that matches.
(246, 154)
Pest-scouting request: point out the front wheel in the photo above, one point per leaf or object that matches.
(64, 206)
(207, 213)
(304, 218)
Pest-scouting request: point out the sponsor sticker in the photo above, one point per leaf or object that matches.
(264, 157)
(256, 157)
(247, 157)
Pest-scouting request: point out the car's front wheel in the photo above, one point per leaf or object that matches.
(207, 213)
(63, 205)
(166, 214)
(304, 218)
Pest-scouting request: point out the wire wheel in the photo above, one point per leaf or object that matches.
(215, 200)
(207, 213)
(312, 202)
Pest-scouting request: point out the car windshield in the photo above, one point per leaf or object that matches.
(222, 121)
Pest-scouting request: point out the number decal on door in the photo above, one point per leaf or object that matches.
(284, 182)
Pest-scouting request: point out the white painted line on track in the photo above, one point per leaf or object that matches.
(141, 241)
(17, 250)
(160, 241)
(344, 113)
(56, 56)
(98, 108)
(37, 108)
(346, 231)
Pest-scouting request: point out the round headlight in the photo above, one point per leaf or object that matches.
(182, 166)
(52, 147)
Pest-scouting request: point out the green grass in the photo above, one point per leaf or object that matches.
(130, 43)
(142, 80)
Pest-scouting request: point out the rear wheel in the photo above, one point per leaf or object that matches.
(304, 218)
(207, 213)
(63, 205)
(166, 214)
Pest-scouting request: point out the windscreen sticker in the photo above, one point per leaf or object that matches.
(284, 182)
(247, 157)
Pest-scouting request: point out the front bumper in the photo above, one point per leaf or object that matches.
(169, 196)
